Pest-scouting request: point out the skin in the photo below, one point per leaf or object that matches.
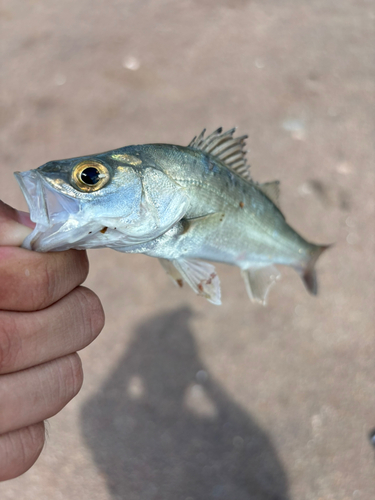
(45, 317)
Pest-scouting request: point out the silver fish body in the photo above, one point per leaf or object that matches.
(183, 205)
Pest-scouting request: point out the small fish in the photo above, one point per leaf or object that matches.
(183, 205)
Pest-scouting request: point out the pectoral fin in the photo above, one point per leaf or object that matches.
(200, 275)
(258, 281)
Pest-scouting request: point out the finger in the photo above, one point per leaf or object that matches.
(14, 225)
(31, 280)
(20, 449)
(32, 395)
(28, 339)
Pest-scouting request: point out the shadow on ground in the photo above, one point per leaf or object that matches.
(160, 428)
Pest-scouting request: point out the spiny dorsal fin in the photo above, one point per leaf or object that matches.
(271, 190)
(226, 148)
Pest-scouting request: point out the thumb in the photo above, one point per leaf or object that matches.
(14, 226)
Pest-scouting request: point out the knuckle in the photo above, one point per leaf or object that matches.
(83, 262)
(75, 265)
(57, 275)
(10, 342)
(72, 378)
(62, 380)
(32, 442)
(20, 449)
(37, 436)
(92, 313)
(43, 292)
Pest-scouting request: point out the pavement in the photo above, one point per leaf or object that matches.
(184, 400)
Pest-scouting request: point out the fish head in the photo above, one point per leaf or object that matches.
(112, 199)
(72, 200)
(96, 186)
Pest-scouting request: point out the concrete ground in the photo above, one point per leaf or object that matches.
(184, 400)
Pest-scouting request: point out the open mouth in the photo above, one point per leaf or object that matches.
(53, 213)
(32, 188)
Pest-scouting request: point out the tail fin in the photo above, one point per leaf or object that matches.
(308, 273)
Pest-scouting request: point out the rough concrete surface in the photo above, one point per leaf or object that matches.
(184, 400)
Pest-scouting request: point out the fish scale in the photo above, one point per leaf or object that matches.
(184, 205)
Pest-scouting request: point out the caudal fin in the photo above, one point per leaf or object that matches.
(308, 273)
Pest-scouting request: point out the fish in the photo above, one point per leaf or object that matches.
(188, 206)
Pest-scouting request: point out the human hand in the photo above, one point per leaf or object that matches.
(45, 317)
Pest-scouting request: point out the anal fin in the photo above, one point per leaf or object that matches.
(259, 280)
(200, 275)
(172, 272)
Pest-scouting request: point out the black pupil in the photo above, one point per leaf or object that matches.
(90, 176)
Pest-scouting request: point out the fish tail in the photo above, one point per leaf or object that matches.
(308, 273)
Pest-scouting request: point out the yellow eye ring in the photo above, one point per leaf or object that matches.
(90, 176)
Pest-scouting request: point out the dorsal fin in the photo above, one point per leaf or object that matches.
(230, 150)
(271, 190)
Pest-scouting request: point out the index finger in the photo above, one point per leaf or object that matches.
(31, 281)
(14, 225)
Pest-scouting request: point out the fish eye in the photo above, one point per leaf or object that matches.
(90, 176)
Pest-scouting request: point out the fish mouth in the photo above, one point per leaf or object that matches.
(55, 215)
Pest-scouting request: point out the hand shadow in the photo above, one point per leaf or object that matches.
(160, 429)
